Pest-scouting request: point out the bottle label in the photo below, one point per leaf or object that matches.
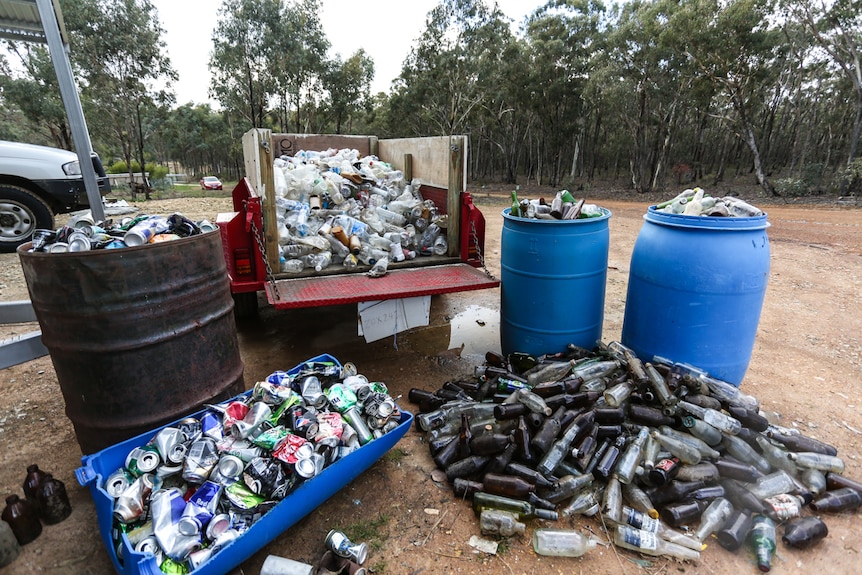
(640, 539)
(783, 506)
(640, 520)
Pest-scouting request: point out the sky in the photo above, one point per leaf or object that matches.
(386, 29)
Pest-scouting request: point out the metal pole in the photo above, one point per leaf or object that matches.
(69, 93)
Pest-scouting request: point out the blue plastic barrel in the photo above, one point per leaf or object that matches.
(553, 283)
(696, 289)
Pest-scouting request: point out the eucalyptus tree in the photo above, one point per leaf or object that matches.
(349, 84)
(299, 65)
(440, 85)
(245, 45)
(120, 66)
(563, 36)
(34, 93)
(836, 27)
(736, 45)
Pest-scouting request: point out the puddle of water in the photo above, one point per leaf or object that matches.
(478, 328)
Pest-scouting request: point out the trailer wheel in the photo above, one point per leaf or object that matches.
(244, 305)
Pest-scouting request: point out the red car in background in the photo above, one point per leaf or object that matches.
(211, 183)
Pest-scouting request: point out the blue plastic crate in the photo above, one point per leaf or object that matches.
(300, 502)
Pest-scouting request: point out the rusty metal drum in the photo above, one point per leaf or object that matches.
(138, 336)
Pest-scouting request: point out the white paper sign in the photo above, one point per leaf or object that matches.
(379, 319)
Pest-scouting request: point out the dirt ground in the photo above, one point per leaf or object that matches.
(806, 366)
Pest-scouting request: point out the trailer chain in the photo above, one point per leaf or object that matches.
(270, 277)
(479, 253)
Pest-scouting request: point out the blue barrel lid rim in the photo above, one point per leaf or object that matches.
(606, 213)
(654, 216)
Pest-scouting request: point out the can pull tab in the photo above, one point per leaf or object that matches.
(85, 475)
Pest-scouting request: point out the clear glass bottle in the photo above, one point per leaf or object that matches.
(773, 484)
(713, 518)
(702, 430)
(825, 463)
(742, 451)
(715, 418)
(680, 449)
(561, 542)
(533, 402)
(631, 457)
(628, 537)
(619, 393)
(499, 522)
(644, 522)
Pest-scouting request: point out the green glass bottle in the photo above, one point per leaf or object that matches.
(522, 509)
(516, 205)
(762, 539)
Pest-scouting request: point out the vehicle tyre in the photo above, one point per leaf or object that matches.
(21, 212)
(244, 305)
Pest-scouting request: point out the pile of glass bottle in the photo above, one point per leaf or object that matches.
(201, 483)
(667, 454)
(335, 208)
(696, 202)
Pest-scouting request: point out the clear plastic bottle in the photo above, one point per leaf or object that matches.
(561, 542)
(292, 266)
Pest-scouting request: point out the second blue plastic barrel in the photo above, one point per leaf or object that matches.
(696, 289)
(553, 283)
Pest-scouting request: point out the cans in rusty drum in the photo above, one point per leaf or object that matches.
(138, 336)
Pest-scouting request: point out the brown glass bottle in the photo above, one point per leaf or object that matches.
(733, 469)
(673, 491)
(802, 532)
(529, 474)
(464, 437)
(683, 512)
(465, 488)
(499, 462)
(838, 500)
(664, 471)
(524, 451)
(54, 504)
(554, 388)
(610, 415)
(548, 432)
(836, 481)
(647, 415)
(750, 419)
(466, 467)
(31, 484)
(447, 454)
(510, 410)
(489, 444)
(22, 518)
(507, 485)
(426, 400)
(803, 443)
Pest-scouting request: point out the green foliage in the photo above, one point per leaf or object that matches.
(849, 179)
(791, 187)
(155, 171)
(369, 530)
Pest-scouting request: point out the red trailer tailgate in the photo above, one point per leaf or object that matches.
(396, 284)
